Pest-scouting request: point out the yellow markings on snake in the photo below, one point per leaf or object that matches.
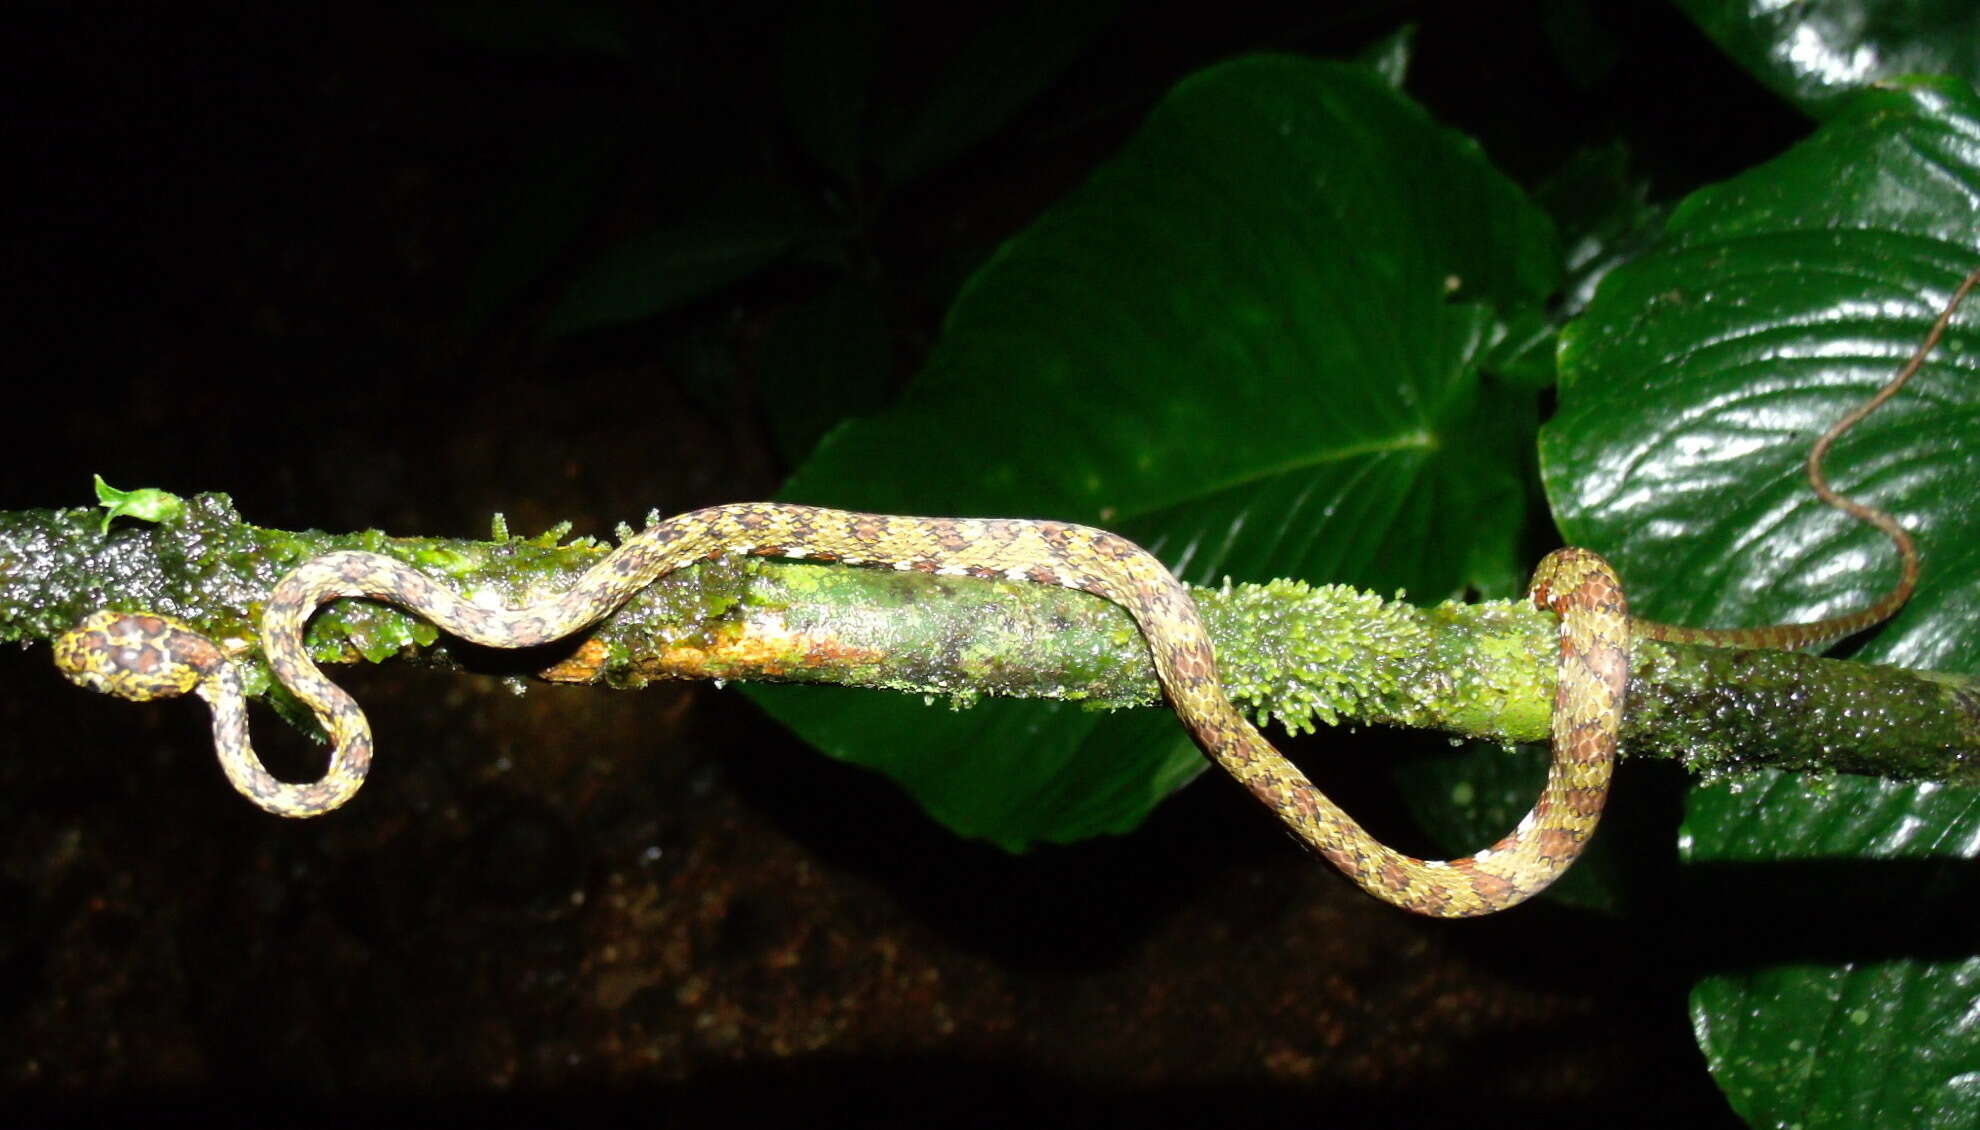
(143, 656)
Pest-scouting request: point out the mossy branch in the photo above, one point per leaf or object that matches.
(1298, 654)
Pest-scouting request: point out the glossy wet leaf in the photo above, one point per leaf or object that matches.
(1694, 387)
(1816, 52)
(1847, 939)
(1690, 394)
(1250, 344)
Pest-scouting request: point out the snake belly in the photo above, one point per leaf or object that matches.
(148, 656)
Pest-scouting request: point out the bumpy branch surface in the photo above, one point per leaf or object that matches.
(1301, 654)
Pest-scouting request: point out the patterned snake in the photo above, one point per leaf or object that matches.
(142, 656)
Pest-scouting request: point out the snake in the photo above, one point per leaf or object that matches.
(145, 656)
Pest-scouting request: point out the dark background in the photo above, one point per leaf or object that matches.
(249, 254)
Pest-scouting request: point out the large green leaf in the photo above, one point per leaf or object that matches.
(1251, 344)
(1851, 996)
(1690, 393)
(1815, 53)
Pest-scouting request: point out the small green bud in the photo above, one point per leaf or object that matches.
(146, 504)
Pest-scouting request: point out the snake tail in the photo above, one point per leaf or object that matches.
(1787, 637)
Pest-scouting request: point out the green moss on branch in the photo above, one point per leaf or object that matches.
(1301, 655)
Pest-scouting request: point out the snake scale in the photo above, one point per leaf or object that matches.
(143, 656)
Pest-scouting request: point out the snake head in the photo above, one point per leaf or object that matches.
(1575, 577)
(140, 656)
